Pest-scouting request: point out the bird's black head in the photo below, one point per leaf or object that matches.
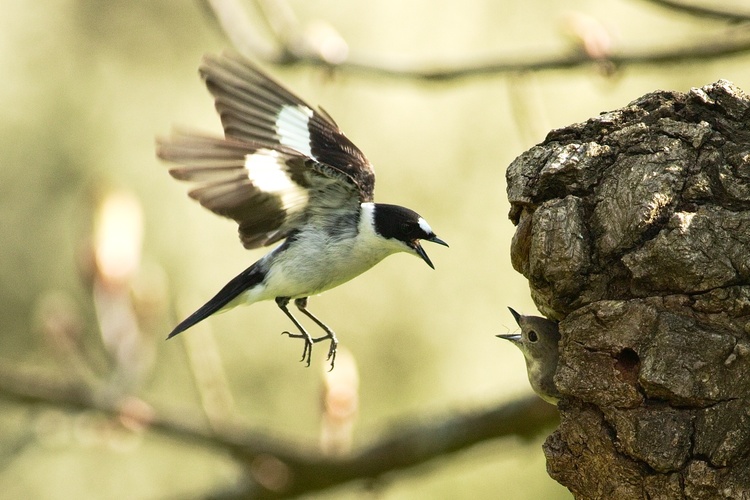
(404, 225)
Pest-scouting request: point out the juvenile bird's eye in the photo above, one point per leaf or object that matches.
(533, 336)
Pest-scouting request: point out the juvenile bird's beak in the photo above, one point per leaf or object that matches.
(516, 316)
(420, 251)
(513, 337)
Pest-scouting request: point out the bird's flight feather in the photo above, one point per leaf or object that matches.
(279, 163)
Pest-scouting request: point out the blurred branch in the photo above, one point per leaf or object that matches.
(209, 376)
(236, 24)
(12, 448)
(295, 45)
(30, 386)
(304, 468)
(714, 12)
(416, 444)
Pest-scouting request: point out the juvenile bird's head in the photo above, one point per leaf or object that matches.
(538, 341)
(405, 228)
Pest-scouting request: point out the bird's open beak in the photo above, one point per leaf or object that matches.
(516, 316)
(513, 337)
(420, 251)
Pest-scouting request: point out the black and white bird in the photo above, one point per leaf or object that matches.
(286, 173)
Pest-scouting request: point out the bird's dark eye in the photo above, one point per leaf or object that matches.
(405, 227)
(533, 336)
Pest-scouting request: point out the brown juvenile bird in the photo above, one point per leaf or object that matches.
(538, 341)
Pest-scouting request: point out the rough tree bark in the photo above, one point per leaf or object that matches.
(634, 231)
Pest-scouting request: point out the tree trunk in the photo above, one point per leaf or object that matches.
(634, 232)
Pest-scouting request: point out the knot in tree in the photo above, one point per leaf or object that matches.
(633, 229)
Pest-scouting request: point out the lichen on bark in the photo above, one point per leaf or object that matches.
(633, 229)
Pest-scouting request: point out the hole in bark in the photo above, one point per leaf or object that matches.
(627, 362)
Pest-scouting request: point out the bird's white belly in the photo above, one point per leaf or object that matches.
(319, 269)
(312, 265)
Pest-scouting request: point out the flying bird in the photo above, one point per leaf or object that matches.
(287, 174)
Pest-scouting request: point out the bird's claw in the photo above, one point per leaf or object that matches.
(332, 353)
(307, 350)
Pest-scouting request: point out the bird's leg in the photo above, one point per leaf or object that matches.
(282, 302)
(302, 306)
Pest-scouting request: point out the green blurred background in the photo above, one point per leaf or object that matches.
(87, 85)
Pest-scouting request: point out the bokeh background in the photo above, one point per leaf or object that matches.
(102, 252)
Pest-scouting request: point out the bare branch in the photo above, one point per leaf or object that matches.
(300, 48)
(236, 25)
(714, 12)
(417, 443)
(308, 470)
(280, 19)
(712, 49)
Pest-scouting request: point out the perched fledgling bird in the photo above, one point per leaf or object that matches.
(286, 173)
(538, 341)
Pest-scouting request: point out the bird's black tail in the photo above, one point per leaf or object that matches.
(246, 279)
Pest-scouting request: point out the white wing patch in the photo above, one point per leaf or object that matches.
(291, 127)
(266, 171)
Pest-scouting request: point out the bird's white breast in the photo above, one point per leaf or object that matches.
(316, 260)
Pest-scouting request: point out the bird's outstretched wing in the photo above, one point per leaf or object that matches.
(280, 159)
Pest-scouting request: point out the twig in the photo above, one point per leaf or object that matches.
(236, 25)
(280, 19)
(714, 12)
(302, 51)
(309, 470)
(710, 49)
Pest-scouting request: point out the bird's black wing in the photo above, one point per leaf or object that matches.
(279, 162)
